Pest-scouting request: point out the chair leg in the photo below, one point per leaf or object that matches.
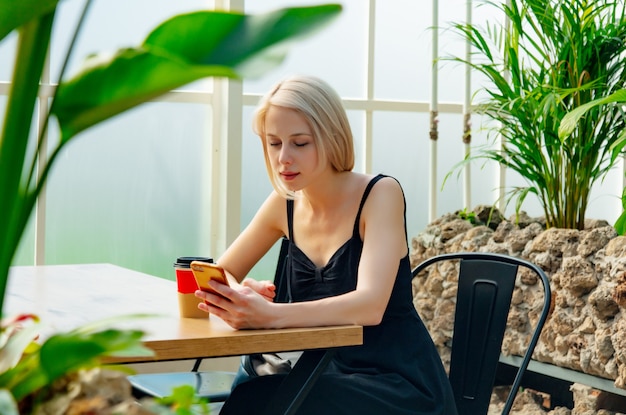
(196, 365)
(297, 384)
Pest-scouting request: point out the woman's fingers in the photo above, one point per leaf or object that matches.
(240, 307)
(266, 288)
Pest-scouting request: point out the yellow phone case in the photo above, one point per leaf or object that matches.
(203, 272)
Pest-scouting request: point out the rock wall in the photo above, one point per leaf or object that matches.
(586, 330)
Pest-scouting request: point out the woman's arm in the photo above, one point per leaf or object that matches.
(384, 244)
(257, 238)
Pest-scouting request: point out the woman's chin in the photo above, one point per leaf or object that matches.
(290, 184)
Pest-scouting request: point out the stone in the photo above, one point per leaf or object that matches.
(595, 223)
(619, 293)
(434, 284)
(476, 237)
(604, 345)
(94, 391)
(522, 220)
(503, 230)
(595, 239)
(517, 239)
(560, 411)
(558, 242)
(453, 228)
(616, 247)
(578, 276)
(586, 329)
(585, 399)
(602, 302)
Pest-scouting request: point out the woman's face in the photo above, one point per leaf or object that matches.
(291, 147)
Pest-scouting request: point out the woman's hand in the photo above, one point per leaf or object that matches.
(266, 288)
(241, 306)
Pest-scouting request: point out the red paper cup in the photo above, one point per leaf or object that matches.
(186, 283)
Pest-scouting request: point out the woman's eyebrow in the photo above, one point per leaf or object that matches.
(291, 135)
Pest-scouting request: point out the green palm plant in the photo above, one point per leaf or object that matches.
(570, 121)
(180, 50)
(549, 58)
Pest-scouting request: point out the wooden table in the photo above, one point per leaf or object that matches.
(70, 296)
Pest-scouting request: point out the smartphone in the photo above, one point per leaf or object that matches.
(203, 272)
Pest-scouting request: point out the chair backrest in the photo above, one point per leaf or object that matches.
(485, 288)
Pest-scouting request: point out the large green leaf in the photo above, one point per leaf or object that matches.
(15, 13)
(571, 119)
(66, 353)
(232, 39)
(620, 224)
(181, 50)
(130, 78)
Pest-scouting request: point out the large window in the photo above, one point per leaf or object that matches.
(183, 175)
(128, 191)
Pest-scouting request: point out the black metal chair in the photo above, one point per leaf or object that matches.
(212, 385)
(485, 288)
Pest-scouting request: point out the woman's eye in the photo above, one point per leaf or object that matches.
(301, 144)
(274, 143)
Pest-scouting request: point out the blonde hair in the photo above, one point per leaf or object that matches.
(323, 110)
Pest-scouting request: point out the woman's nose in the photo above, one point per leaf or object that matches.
(284, 157)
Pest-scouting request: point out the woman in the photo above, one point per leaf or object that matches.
(348, 264)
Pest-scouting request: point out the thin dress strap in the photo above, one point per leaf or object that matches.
(290, 218)
(355, 231)
(286, 250)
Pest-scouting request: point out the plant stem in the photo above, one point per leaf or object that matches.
(42, 132)
(33, 42)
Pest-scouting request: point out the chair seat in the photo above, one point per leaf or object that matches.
(214, 385)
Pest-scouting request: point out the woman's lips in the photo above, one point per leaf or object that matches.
(288, 176)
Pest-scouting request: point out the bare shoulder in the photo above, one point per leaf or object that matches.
(274, 200)
(388, 183)
(387, 189)
(383, 220)
(273, 212)
(386, 200)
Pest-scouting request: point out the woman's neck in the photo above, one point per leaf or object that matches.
(324, 194)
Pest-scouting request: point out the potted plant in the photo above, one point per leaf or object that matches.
(570, 122)
(180, 50)
(544, 65)
(548, 58)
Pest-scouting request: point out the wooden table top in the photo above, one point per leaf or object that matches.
(71, 296)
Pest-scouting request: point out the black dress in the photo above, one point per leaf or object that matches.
(397, 369)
